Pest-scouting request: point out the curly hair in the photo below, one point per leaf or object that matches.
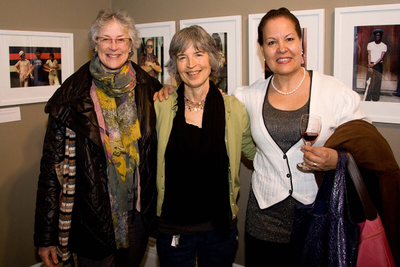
(105, 17)
(201, 40)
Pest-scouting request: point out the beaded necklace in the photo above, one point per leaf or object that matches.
(196, 106)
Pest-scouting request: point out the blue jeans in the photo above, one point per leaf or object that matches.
(208, 247)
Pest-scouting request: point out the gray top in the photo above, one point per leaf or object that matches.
(274, 224)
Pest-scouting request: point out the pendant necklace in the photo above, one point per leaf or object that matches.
(196, 106)
(291, 92)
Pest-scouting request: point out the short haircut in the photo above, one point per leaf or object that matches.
(201, 40)
(105, 17)
(282, 12)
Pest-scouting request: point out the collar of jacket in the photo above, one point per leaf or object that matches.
(73, 106)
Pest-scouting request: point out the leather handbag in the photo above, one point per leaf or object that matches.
(323, 233)
(373, 249)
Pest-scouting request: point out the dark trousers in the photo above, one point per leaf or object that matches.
(374, 90)
(130, 257)
(209, 248)
(261, 253)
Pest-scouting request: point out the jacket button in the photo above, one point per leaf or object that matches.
(288, 175)
(290, 191)
(284, 156)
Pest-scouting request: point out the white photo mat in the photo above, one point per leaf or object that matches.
(34, 94)
(313, 20)
(232, 25)
(157, 29)
(345, 20)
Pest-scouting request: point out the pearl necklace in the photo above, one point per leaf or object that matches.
(196, 106)
(291, 92)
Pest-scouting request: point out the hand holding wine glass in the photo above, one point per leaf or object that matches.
(310, 128)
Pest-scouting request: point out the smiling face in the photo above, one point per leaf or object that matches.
(112, 56)
(194, 68)
(282, 46)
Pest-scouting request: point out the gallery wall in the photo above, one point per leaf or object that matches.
(175, 10)
(21, 141)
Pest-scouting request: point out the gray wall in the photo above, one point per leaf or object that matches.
(21, 142)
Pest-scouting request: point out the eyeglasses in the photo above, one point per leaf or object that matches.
(108, 41)
(149, 46)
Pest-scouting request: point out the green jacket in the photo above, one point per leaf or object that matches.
(237, 138)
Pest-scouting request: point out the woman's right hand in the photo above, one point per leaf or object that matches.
(165, 91)
(49, 256)
(320, 158)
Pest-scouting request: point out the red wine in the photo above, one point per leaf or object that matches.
(309, 137)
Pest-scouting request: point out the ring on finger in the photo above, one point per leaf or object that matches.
(314, 164)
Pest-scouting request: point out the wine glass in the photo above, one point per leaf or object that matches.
(310, 127)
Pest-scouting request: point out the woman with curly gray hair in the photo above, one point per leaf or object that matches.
(200, 137)
(100, 156)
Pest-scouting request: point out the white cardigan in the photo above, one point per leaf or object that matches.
(271, 183)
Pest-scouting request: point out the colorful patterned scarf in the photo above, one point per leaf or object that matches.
(116, 95)
(68, 179)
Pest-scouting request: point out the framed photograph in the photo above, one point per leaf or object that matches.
(33, 65)
(313, 26)
(227, 33)
(153, 53)
(367, 58)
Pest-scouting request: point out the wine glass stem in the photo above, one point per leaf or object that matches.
(308, 143)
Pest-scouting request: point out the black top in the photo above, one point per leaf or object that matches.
(196, 168)
(187, 197)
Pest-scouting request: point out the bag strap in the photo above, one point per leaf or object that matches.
(369, 208)
(338, 201)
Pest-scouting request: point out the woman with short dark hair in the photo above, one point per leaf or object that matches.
(275, 106)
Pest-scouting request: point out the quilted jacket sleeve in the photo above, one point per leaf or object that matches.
(47, 202)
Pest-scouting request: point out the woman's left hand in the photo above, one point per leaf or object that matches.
(164, 92)
(320, 158)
